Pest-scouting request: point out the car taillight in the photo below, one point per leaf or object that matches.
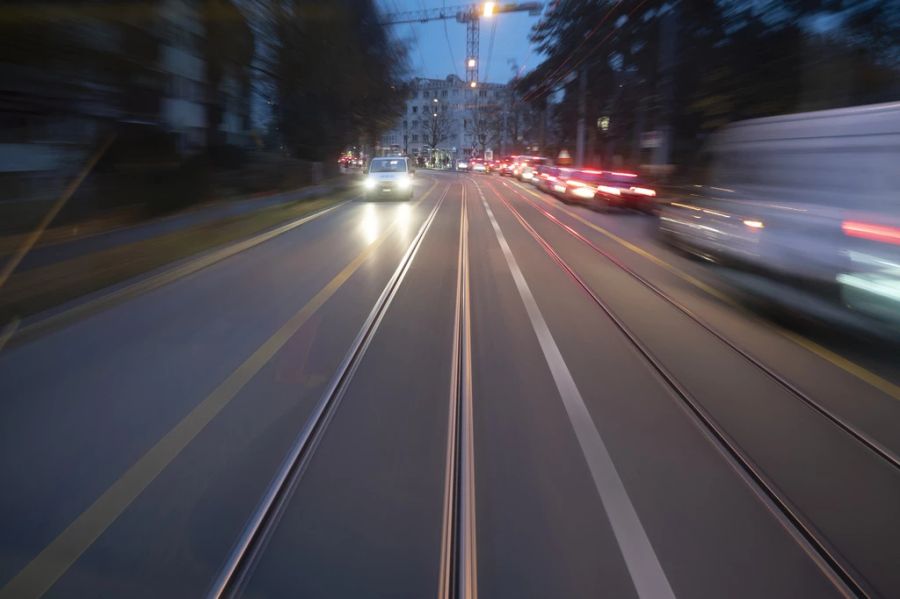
(882, 233)
(643, 191)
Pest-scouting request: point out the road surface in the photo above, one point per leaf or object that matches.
(480, 392)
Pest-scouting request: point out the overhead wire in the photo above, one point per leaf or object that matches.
(547, 86)
(589, 35)
(487, 65)
(449, 45)
(415, 36)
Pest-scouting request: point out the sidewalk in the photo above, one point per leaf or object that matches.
(54, 252)
(66, 271)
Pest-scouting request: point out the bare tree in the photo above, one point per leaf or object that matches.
(486, 125)
(438, 127)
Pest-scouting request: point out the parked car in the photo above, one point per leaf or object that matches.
(547, 178)
(528, 167)
(615, 189)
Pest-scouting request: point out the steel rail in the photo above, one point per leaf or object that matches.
(866, 440)
(264, 519)
(834, 568)
(458, 572)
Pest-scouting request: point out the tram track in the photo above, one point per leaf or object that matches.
(829, 561)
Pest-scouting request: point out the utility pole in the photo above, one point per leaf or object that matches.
(582, 109)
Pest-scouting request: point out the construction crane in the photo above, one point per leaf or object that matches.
(470, 15)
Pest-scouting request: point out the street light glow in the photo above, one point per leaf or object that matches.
(473, 84)
(435, 100)
(471, 63)
(488, 9)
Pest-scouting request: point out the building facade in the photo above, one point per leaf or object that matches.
(451, 109)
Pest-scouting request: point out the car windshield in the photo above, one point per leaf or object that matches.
(387, 166)
(450, 298)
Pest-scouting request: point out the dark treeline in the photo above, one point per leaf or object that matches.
(691, 66)
(188, 89)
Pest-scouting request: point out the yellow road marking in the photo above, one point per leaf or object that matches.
(168, 275)
(638, 250)
(841, 362)
(55, 559)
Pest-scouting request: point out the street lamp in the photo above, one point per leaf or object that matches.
(471, 63)
(488, 9)
(473, 84)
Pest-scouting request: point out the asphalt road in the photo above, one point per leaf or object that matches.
(488, 392)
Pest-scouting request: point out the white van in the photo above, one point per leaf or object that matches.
(389, 177)
(811, 197)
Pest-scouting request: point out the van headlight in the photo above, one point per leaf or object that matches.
(404, 182)
(369, 183)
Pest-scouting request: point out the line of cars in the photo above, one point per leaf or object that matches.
(596, 188)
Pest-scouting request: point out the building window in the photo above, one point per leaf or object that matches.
(415, 137)
(444, 93)
(415, 124)
(482, 94)
(405, 124)
(415, 109)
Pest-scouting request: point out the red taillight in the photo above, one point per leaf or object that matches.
(882, 233)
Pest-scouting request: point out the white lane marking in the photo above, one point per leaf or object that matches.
(643, 565)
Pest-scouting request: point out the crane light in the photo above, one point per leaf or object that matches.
(488, 9)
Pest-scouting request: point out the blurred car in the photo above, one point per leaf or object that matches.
(610, 189)
(389, 177)
(462, 165)
(547, 178)
(477, 165)
(528, 167)
(809, 200)
(506, 166)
